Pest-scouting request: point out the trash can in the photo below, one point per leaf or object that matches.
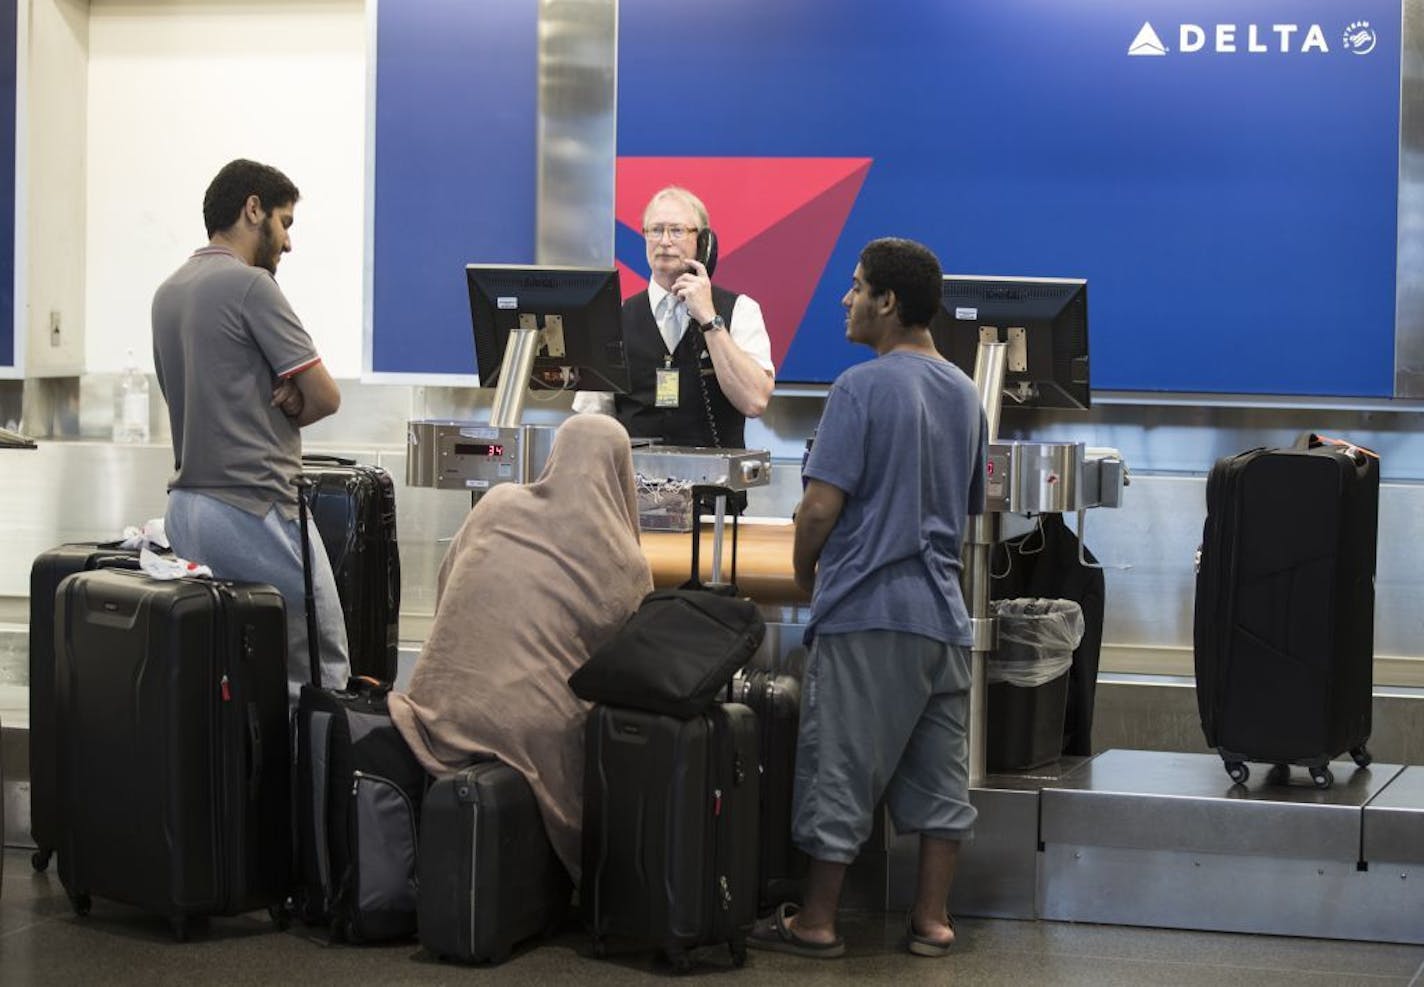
(1027, 678)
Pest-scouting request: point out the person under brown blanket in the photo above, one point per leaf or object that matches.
(536, 579)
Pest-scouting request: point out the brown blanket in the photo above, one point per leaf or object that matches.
(536, 579)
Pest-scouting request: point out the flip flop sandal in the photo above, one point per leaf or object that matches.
(919, 945)
(771, 933)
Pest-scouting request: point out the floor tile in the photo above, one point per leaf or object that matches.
(43, 943)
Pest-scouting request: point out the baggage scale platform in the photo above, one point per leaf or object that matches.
(1167, 840)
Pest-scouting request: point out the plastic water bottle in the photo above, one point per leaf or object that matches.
(131, 404)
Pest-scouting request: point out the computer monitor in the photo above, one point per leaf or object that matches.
(1044, 321)
(578, 311)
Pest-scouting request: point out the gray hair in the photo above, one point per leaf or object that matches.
(678, 192)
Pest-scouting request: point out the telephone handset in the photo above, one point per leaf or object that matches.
(706, 251)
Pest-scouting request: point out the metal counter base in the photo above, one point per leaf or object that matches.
(1166, 840)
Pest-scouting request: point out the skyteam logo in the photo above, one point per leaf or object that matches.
(1227, 39)
(1360, 38)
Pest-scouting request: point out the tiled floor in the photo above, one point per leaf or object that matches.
(42, 942)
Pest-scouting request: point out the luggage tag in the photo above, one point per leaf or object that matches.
(1358, 454)
(666, 392)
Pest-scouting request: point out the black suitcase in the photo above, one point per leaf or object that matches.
(1284, 622)
(358, 795)
(358, 792)
(489, 878)
(173, 756)
(776, 700)
(48, 571)
(670, 829)
(354, 508)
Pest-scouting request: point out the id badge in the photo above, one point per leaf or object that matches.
(667, 387)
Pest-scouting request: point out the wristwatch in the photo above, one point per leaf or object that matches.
(713, 326)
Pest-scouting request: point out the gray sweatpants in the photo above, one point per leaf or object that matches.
(241, 546)
(882, 713)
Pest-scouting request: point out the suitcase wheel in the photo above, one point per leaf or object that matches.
(281, 917)
(1322, 776)
(179, 925)
(681, 962)
(81, 903)
(39, 860)
(1278, 775)
(739, 953)
(600, 947)
(1238, 771)
(310, 909)
(343, 931)
(557, 918)
(1362, 757)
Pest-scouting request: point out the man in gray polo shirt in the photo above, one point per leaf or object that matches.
(897, 466)
(241, 378)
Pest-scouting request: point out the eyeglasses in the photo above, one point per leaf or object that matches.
(677, 232)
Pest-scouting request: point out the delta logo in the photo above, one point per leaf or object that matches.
(777, 221)
(1225, 39)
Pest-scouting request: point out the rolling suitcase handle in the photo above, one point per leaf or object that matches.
(304, 484)
(116, 562)
(709, 495)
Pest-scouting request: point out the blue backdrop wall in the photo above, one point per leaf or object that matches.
(1229, 190)
(455, 165)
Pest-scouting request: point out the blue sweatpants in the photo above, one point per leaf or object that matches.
(240, 546)
(882, 713)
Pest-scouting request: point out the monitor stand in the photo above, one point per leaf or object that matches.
(514, 371)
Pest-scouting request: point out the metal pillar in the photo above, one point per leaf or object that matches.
(980, 539)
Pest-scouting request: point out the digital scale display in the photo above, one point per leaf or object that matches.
(489, 450)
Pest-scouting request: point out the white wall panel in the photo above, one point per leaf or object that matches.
(52, 159)
(176, 90)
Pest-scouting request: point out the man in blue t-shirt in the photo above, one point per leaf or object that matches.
(897, 466)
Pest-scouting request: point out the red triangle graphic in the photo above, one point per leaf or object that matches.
(782, 267)
(777, 221)
(745, 196)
